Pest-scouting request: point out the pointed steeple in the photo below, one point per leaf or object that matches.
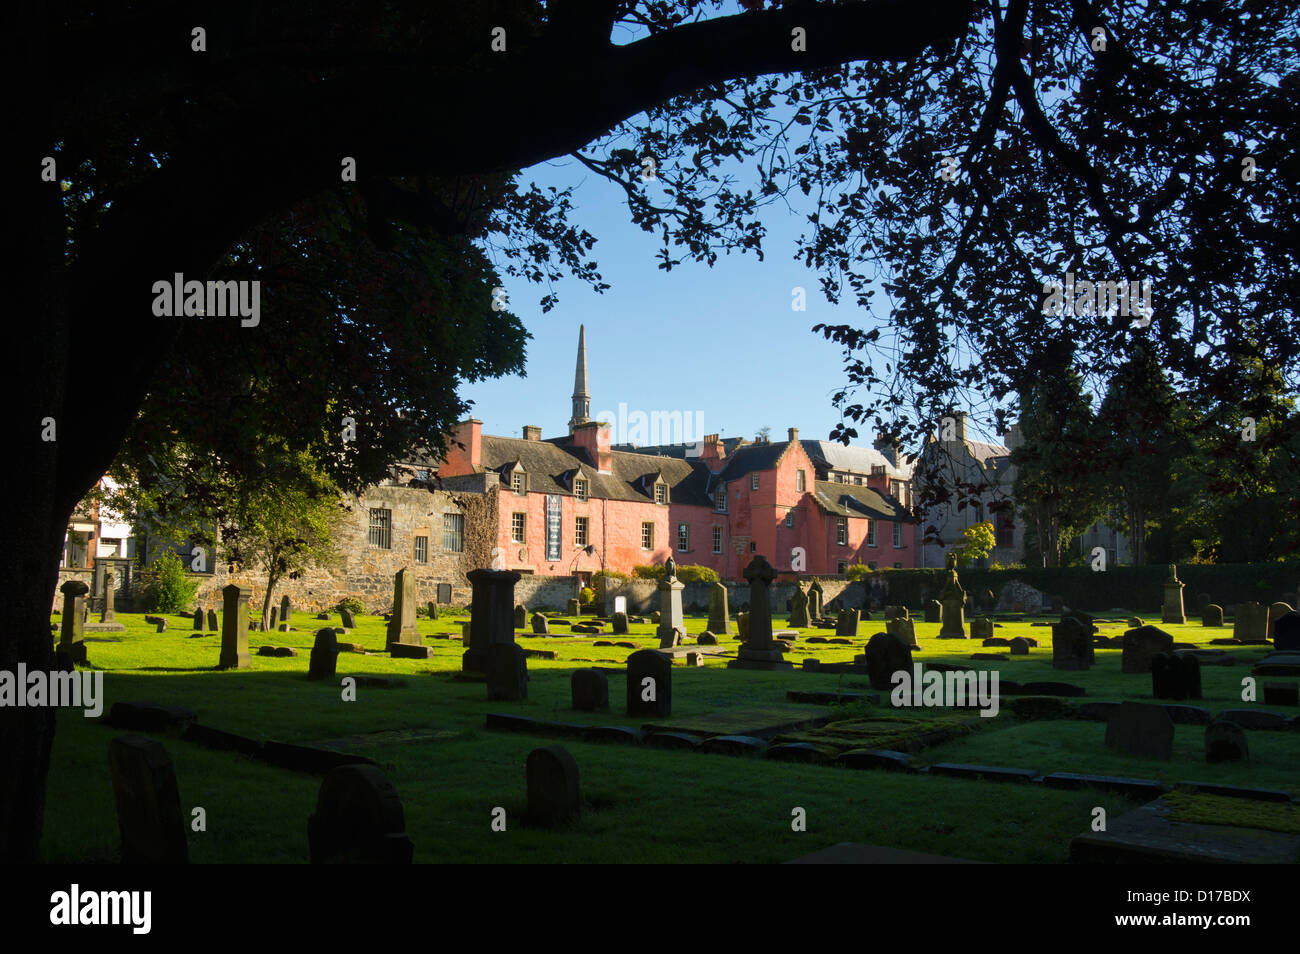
(581, 396)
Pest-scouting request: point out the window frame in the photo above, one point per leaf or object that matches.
(380, 534)
(842, 531)
(647, 535)
(522, 536)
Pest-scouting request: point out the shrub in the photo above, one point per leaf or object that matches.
(644, 571)
(167, 587)
(610, 575)
(586, 595)
(697, 574)
(351, 604)
(857, 571)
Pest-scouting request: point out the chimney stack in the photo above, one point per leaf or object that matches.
(794, 434)
(532, 432)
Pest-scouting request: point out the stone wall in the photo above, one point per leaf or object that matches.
(643, 595)
(545, 592)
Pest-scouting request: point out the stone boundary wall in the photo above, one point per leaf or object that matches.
(545, 592)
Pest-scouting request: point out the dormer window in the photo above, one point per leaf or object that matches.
(661, 493)
(580, 488)
(720, 499)
(518, 479)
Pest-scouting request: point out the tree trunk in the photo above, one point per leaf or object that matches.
(266, 601)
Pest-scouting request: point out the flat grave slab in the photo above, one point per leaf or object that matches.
(1146, 835)
(762, 723)
(853, 853)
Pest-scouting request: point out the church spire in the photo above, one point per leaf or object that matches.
(581, 396)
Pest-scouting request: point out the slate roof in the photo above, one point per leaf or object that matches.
(682, 451)
(851, 500)
(552, 468)
(858, 460)
(752, 457)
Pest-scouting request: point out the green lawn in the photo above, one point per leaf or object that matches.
(641, 805)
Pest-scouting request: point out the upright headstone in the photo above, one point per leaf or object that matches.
(620, 624)
(719, 618)
(1172, 610)
(324, 655)
(903, 630)
(1250, 623)
(988, 601)
(1019, 646)
(1141, 645)
(1212, 615)
(109, 615)
(953, 600)
(1287, 630)
(575, 607)
(816, 600)
(589, 690)
(521, 616)
(507, 672)
(896, 612)
(286, 611)
(160, 626)
(1070, 644)
(148, 801)
(1275, 612)
(234, 631)
(933, 611)
(649, 683)
(799, 608)
(359, 819)
(1139, 728)
(275, 617)
(672, 625)
(981, 627)
(402, 627)
(886, 655)
(554, 795)
(760, 650)
(1175, 676)
(433, 609)
(492, 611)
(72, 632)
(742, 626)
(541, 625)
(198, 620)
(1225, 741)
(846, 623)
(346, 618)
(212, 622)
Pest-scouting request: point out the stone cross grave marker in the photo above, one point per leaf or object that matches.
(760, 650)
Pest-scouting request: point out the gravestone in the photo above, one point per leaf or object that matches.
(234, 632)
(953, 599)
(109, 614)
(1212, 615)
(1019, 646)
(742, 626)
(1250, 623)
(1071, 644)
(1275, 612)
(1142, 729)
(433, 609)
(816, 600)
(620, 604)
(554, 795)
(896, 612)
(212, 621)
(933, 611)
(72, 632)
(719, 618)
(1287, 630)
(198, 620)
(275, 617)
(988, 602)
(286, 611)
(846, 623)
(507, 672)
(1225, 741)
(345, 616)
(707, 639)
(491, 619)
(1171, 610)
(760, 650)
(798, 608)
(541, 625)
(402, 627)
(903, 630)
(521, 616)
(649, 683)
(574, 608)
(1141, 645)
(589, 690)
(324, 655)
(672, 625)
(148, 800)
(886, 655)
(358, 820)
(981, 627)
(1175, 676)
(620, 624)
(1280, 694)
(161, 626)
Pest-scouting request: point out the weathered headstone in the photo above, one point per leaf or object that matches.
(981, 627)
(286, 611)
(198, 620)
(402, 627)
(1275, 612)
(589, 689)
(1212, 615)
(72, 632)
(649, 683)
(1225, 741)
(886, 655)
(1287, 630)
(933, 611)
(719, 618)
(433, 609)
(345, 617)
(902, 629)
(212, 621)
(507, 672)
(816, 600)
(109, 614)
(358, 820)
(1071, 643)
(324, 655)
(799, 608)
(846, 623)
(1171, 611)
(953, 600)
(1141, 645)
(574, 607)
(554, 794)
(620, 624)
(760, 650)
(492, 610)
(275, 617)
(160, 626)
(1139, 728)
(148, 801)
(1019, 646)
(521, 616)
(1250, 623)
(1175, 676)
(541, 626)
(234, 632)
(896, 612)
(742, 626)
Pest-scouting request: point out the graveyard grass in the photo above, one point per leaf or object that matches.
(640, 804)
